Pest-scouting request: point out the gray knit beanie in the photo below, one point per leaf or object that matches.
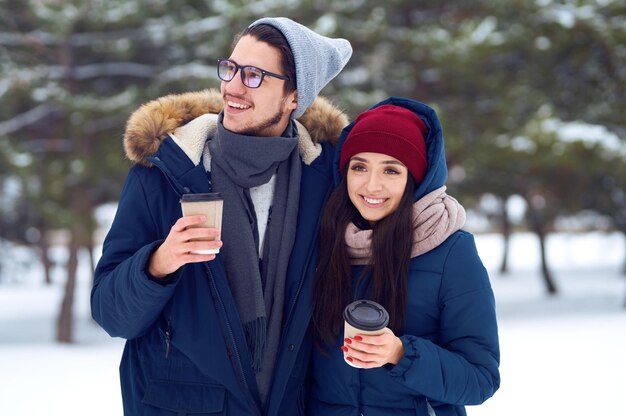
(318, 58)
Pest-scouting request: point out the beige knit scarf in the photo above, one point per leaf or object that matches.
(435, 217)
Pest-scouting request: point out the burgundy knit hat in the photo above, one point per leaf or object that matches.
(391, 130)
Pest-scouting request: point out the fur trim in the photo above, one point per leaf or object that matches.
(324, 121)
(152, 122)
(149, 125)
(309, 150)
(191, 137)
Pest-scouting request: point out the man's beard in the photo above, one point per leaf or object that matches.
(267, 124)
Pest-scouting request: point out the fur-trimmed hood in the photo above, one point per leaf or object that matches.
(153, 122)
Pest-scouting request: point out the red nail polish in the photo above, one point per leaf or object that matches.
(349, 359)
(344, 348)
(358, 338)
(347, 340)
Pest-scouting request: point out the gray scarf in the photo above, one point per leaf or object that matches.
(240, 162)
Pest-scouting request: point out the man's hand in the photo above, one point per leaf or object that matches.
(371, 351)
(177, 247)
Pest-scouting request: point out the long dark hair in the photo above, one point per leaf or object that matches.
(392, 239)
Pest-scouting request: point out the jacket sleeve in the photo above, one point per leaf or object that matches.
(462, 367)
(125, 300)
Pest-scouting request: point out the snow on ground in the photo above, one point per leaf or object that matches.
(560, 355)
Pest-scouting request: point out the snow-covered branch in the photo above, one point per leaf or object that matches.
(83, 72)
(27, 118)
(76, 39)
(107, 69)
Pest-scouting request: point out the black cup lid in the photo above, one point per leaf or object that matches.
(213, 196)
(366, 315)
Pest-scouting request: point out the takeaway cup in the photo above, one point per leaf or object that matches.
(363, 317)
(210, 205)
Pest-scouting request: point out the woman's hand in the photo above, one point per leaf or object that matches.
(177, 248)
(372, 351)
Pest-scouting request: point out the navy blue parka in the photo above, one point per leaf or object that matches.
(450, 339)
(186, 351)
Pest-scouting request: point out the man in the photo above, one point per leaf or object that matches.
(226, 333)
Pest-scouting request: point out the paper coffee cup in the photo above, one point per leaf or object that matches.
(363, 317)
(210, 205)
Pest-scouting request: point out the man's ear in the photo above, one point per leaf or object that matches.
(292, 101)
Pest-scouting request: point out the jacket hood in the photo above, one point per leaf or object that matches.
(437, 170)
(151, 124)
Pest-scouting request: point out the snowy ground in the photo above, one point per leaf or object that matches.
(563, 355)
(560, 356)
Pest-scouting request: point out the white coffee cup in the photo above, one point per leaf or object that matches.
(208, 204)
(363, 317)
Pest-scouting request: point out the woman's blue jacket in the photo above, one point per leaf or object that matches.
(450, 337)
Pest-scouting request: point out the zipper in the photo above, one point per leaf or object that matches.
(232, 338)
(168, 338)
(301, 283)
(308, 259)
(431, 411)
(156, 161)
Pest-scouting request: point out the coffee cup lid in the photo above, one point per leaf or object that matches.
(213, 196)
(366, 315)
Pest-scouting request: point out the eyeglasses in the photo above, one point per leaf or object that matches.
(251, 76)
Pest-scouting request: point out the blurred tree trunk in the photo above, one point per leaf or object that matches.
(92, 258)
(81, 236)
(624, 235)
(539, 226)
(545, 271)
(506, 237)
(65, 322)
(66, 319)
(44, 248)
(624, 270)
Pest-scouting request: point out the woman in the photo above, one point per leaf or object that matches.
(402, 248)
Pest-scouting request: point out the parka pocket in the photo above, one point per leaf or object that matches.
(185, 398)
